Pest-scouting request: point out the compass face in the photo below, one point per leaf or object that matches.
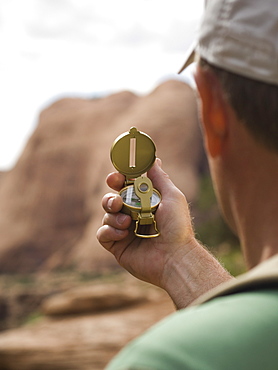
(130, 198)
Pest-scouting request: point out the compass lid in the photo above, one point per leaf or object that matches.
(133, 153)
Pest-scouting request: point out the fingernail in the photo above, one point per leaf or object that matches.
(159, 162)
(121, 218)
(110, 203)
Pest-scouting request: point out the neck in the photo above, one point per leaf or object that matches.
(255, 203)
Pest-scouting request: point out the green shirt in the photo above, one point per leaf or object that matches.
(234, 332)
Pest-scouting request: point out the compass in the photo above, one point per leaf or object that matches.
(133, 154)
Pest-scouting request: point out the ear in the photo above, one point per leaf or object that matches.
(214, 112)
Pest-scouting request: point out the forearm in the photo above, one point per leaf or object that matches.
(189, 275)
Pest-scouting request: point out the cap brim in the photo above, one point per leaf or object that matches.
(190, 57)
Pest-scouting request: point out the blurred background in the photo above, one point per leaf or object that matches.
(74, 75)
(51, 48)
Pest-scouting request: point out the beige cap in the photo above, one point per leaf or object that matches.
(240, 36)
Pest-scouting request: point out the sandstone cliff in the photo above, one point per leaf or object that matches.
(50, 202)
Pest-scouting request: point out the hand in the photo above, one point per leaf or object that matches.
(174, 261)
(146, 258)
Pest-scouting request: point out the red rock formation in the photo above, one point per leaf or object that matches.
(50, 202)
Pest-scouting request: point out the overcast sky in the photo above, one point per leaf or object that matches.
(54, 48)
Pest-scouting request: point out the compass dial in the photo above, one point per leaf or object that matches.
(130, 198)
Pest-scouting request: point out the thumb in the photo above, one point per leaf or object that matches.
(161, 180)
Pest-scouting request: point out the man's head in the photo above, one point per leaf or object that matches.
(237, 80)
(238, 42)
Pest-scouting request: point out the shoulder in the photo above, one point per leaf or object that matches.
(263, 276)
(238, 331)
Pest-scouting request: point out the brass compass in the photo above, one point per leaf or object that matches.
(133, 154)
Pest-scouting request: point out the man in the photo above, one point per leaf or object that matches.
(236, 326)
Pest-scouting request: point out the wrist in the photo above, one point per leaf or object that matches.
(190, 272)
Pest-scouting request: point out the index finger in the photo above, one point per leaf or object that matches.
(115, 181)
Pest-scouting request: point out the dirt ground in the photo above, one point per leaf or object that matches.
(86, 340)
